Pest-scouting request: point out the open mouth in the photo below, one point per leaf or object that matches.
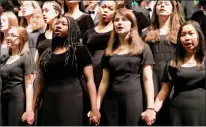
(188, 45)
(162, 9)
(8, 43)
(119, 28)
(57, 32)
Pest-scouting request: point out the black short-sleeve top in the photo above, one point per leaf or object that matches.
(85, 23)
(42, 43)
(146, 58)
(57, 73)
(13, 74)
(185, 78)
(125, 70)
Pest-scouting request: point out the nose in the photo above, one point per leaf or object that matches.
(187, 37)
(43, 13)
(58, 26)
(105, 11)
(8, 37)
(162, 5)
(120, 22)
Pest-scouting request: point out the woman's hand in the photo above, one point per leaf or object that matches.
(149, 116)
(28, 117)
(94, 116)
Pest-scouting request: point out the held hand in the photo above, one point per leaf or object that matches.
(94, 116)
(149, 116)
(28, 117)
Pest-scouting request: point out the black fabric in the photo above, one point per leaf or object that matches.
(125, 87)
(162, 51)
(142, 18)
(189, 8)
(85, 23)
(200, 17)
(96, 43)
(42, 43)
(188, 100)
(63, 94)
(32, 40)
(13, 89)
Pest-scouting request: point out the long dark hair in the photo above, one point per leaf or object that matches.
(180, 53)
(71, 42)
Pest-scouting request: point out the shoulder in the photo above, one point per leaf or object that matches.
(84, 16)
(145, 31)
(140, 10)
(81, 49)
(26, 55)
(92, 30)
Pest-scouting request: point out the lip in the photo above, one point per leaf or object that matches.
(44, 18)
(9, 43)
(189, 45)
(104, 16)
(162, 9)
(119, 27)
(57, 32)
(23, 12)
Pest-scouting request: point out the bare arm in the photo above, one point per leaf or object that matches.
(39, 90)
(162, 95)
(29, 91)
(103, 87)
(94, 115)
(148, 84)
(91, 86)
(28, 115)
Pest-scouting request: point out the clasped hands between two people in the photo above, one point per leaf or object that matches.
(93, 115)
(149, 116)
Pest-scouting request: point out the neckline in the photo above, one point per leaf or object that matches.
(101, 32)
(57, 54)
(189, 67)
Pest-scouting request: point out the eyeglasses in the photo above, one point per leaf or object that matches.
(11, 35)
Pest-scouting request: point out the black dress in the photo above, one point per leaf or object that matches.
(123, 102)
(63, 92)
(13, 89)
(42, 43)
(142, 18)
(96, 43)
(162, 51)
(32, 40)
(200, 17)
(188, 100)
(85, 23)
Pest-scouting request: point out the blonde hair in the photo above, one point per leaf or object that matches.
(12, 19)
(56, 6)
(136, 44)
(175, 22)
(23, 37)
(37, 21)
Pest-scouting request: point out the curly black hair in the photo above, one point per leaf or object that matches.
(71, 42)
